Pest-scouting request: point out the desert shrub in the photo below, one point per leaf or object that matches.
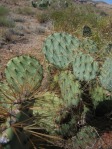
(3, 11)
(4, 21)
(25, 11)
(42, 17)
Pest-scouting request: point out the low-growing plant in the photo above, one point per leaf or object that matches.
(25, 11)
(42, 18)
(6, 22)
(4, 11)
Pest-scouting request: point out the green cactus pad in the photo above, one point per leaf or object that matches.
(89, 45)
(70, 88)
(84, 67)
(106, 74)
(24, 74)
(99, 94)
(47, 108)
(86, 137)
(59, 49)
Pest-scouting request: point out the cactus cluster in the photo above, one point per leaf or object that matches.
(81, 79)
(82, 85)
(23, 77)
(42, 4)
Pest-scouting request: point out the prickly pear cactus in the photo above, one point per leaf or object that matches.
(89, 45)
(87, 31)
(24, 75)
(12, 137)
(55, 117)
(99, 94)
(106, 74)
(85, 68)
(70, 89)
(68, 126)
(85, 138)
(44, 3)
(59, 49)
(47, 107)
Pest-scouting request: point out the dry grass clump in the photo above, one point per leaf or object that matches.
(3, 11)
(25, 11)
(4, 20)
(43, 16)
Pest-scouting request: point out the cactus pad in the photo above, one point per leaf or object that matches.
(89, 45)
(86, 137)
(70, 88)
(84, 67)
(47, 107)
(98, 94)
(106, 74)
(59, 49)
(24, 74)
